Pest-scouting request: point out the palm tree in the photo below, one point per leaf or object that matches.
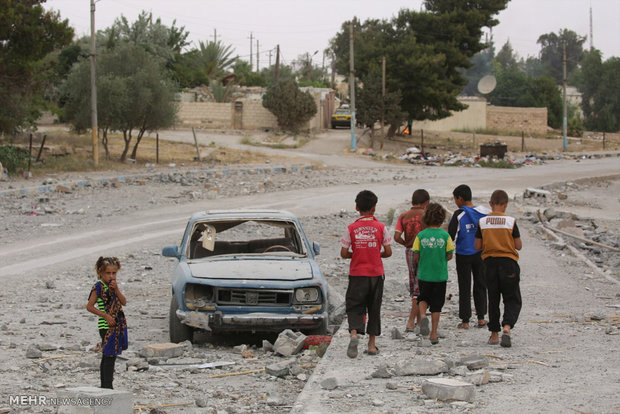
(215, 58)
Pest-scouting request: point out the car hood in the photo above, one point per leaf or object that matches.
(252, 269)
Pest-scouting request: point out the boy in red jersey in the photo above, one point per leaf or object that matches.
(362, 244)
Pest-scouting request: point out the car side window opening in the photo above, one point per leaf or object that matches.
(244, 237)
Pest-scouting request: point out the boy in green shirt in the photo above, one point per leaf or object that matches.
(432, 249)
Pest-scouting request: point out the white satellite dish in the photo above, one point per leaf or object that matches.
(487, 84)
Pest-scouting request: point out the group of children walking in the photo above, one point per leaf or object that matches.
(484, 242)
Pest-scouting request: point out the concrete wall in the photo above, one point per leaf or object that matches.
(474, 117)
(249, 113)
(529, 120)
(205, 115)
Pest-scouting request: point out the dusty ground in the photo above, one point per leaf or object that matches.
(565, 354)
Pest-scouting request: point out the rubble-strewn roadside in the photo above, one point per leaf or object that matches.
(47, 335)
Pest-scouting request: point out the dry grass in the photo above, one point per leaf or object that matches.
(65, 152)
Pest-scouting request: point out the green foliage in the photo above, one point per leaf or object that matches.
(27, 34)
(494, 163)
(221, 92)
(13, 158)
(514, 88)
(552, 53)
(133, 94)
(246, 77)
(292, 107)
(506, 58)
(212, 60)
(371, 105)
(599, 83)
(425, 52)
(482, 65)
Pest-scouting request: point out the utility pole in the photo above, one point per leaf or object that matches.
(352, 85)
(93, 86)
(277, 71)
(564, 120)
(383, 103)
(333, 65)
(215, 36)
(270, 50)
(251, 55)
(591, 29)
(257, 54)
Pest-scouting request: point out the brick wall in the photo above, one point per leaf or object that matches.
(529, 120)
(205, 114)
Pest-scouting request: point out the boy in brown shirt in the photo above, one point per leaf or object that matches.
(499, 238)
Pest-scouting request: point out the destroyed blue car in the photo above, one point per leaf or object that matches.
(246, 271)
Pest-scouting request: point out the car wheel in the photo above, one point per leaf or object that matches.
(179, 332)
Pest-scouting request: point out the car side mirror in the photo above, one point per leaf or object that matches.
(170, 251)
(316, 248)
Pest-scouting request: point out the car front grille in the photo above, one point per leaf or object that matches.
(250, 297)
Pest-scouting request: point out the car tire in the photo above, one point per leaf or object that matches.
(179, 332)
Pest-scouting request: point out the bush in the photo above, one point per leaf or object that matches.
(292, 107)
(13, 158)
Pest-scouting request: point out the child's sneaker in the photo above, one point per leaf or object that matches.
(352, 349)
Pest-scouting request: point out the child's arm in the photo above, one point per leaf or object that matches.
(398, 237)
(449, 248)
(93, 309)
(119, 295)
(345, 253)
(387, 251)
(416, 257)
(518, 244)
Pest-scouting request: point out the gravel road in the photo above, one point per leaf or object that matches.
(565, 356)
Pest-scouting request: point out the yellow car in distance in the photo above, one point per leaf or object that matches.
(342, 117)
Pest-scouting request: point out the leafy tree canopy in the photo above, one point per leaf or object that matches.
(292, 107)
(27, 34)
(425, 52)
(552, 53)
(599, 83)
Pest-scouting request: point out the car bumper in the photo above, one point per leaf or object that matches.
(341, 123)
(257, 321)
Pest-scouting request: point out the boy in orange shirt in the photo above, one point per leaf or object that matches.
(499, 238)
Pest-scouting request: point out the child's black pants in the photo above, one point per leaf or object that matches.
(466, 267)
(502, 276)
(106, 368)
(364, 294)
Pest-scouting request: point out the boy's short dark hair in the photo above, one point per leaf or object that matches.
(420, 196)
(462, 191)
(499, 197)
(366, 200)
(434, 215)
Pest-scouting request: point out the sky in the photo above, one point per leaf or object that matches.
(303, 27)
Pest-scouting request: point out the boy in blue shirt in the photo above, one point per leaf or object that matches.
(462, 229)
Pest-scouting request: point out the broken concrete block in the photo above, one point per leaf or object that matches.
(289, 342)
(480, 377)
(421, 367)
(267, 346)
(96, 401)
(279, 370)
(163, 350)
(536, 193)
(474, 362)
(448, 389)
(33, 352)
(329, 384)
(396, 333)
(382, 372)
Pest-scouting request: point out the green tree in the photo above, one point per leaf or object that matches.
(506, 57)
(292, 107)
(516, 89)
(133, 94)
(552, 53)
(27, 34)
(482, 65)
(426, 52)
(372, 106)
(245, 76)
(599, 83)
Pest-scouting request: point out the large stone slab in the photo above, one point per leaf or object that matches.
(421, 367)
(92, 400)
(163, 350)
(449, 389)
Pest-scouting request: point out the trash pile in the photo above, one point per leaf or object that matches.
(414, 156)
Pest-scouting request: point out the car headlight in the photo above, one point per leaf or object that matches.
(306, 295)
